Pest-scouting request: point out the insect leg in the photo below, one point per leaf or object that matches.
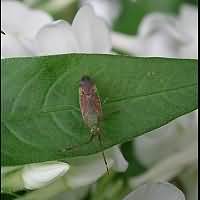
(103, 154)
(77, 146)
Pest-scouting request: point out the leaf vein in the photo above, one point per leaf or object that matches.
(60, 78)
(151, 94)
(20, 93)
(20, 138)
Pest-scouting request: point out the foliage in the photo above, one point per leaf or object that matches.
(40, 109)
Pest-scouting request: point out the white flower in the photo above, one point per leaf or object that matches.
(58, 37)
(87, 169)
(19, 20)
(80, 37)
(20, 25)
(78, 172)
(13, 46)
(156, 191)
(106, 9)
(178, 135)
(169, 151)
(163, 35)
(38, 175)
(120, 164)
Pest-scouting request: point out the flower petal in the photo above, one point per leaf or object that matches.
(156, 191)
(120, 164)
(18, 19)
(37, 175)
(108, 10)
(169, 167)
(89, 169)
(156, 21)
(154, 146)
(16, 47)
(163, 35)
(56, 38)
(188, 18)
(160, 36)
(159, 44)
(91, 31)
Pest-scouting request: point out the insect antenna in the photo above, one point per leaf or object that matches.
(103, 154)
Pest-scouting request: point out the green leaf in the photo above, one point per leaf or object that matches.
(40, 109)
(8, 196)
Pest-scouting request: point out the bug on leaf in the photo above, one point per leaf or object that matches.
(91, 110)
(90, 106)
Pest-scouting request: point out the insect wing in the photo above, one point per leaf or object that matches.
(84, 105)
(97, 103)
(90, 106)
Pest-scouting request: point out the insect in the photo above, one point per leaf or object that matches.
(91, 110)
(90, 106)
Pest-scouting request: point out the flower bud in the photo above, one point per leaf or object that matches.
(37, 175)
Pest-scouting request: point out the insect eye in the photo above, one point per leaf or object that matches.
(85, 80)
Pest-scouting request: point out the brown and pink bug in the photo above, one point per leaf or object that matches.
(91, 110)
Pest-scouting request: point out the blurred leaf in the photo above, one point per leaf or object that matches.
(195, 2)
(134, 10)
(8, 196)
(65, 9)
(40, 109)
(112, 187)
(134, 166)
(67, 13)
